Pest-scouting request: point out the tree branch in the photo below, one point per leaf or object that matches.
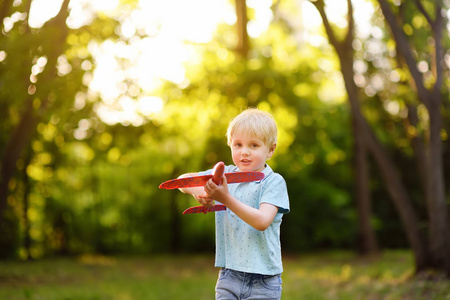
(320, 5)
(423, 11)
(351, 24)
(437, 28)
(405, 50)
(5, 9)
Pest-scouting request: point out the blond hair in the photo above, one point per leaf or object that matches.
(256, 123)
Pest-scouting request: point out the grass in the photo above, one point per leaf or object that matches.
(330, 275)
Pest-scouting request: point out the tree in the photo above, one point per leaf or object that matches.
(431, 97)
(39, 97)
(345, 52)
(33, 89)
(243, 45)
(436, 256)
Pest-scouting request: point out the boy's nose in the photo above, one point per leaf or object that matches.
(245, 151)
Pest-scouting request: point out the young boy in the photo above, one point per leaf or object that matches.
(248, 233)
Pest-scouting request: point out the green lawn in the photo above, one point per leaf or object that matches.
(329, 275)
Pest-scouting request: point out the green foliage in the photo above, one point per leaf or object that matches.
(94, 187)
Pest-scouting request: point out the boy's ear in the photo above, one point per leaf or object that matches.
(272, 150)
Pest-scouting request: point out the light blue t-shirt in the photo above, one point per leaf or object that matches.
(241, 247)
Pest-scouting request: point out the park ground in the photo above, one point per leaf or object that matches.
(328, 275)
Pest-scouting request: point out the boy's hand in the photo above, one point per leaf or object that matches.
(217, 192)
(259, 218)
(205, 200)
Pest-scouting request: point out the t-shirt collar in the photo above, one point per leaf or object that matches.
(267, 171)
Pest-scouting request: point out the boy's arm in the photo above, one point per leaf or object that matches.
(192, 190)
(197, 191)
(260, 219)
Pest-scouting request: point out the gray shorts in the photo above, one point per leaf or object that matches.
(239, 285)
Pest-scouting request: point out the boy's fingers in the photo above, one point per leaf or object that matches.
(211, 183)
(206, 202)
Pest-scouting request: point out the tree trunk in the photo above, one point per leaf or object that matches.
(5, 8)
(26, 205)
(22, 134)
(17, 142)
(399, 195)
(243, 45)
(366, 235)
(367, 242)
(439, 235)
(437, 206)
(391, 177)
(389, 172)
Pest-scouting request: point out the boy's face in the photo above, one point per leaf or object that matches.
(250, 153)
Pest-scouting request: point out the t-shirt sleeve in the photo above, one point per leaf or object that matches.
(207, 172)
(275, 192)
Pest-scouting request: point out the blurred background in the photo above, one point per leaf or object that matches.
(101, 101)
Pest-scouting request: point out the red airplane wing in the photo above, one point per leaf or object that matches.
(201, 180)
(244, 177)
(185, 182)
(203, 209)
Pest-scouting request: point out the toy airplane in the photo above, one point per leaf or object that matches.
(216, 176)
